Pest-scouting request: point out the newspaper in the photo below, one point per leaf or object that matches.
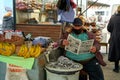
(77, 46)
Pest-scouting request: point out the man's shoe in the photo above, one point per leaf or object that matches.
(116, 70)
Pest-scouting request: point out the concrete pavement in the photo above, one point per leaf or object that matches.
(108, 70)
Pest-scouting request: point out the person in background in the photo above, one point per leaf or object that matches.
(114, 42)
(66, 13)
(8, 21)
(91, 61)
(99, 18)
(65, 9)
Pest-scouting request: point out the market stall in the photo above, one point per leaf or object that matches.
(19, 59)
(37, 17)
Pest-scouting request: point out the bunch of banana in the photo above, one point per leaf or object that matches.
(32, 51)
(23, 50)
(37, 51)
(7, 49)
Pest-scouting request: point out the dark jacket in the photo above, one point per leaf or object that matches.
(114, 41)
(8, 23)
(96, 44)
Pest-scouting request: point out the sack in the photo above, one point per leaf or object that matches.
(15, 73)
(55, 54)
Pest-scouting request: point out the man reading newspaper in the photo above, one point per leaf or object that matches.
(90, 59)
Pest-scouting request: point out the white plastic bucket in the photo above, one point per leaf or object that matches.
(54, 76)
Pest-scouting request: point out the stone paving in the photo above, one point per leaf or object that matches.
(108, 70)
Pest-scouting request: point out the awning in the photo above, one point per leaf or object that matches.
(98, 4)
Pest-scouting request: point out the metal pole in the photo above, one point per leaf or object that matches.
(81, 6)
(77, 8)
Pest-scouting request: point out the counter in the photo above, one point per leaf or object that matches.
(36, 73)
(2, 70)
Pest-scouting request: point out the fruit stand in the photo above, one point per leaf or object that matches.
(20, 58)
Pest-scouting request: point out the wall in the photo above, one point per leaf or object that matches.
(46, 30)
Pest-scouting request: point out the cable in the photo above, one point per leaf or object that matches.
(87, 8)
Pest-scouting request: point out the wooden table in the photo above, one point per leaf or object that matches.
(104, 44)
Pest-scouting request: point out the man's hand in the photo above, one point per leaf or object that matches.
(65, 42)
(93, 49)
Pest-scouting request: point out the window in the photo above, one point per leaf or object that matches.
(99, 13)
(5, 6)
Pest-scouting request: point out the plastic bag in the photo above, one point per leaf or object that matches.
(15, 73)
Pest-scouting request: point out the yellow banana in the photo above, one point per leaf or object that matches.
(21, 51)
(13, 47)
(7, 53)
(27, 55)
(2, 49)
(10, 47)
(34, 51)
(31, 50)
(1, 46)
(6, 49)
(25, 50)
(38, 51)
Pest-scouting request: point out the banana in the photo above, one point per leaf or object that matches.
(7, 53)
(25, 50)
(38, 51)
(1, 45)
(2, 49)
(6, 49)
(13, 47)
(31, 50)
(34, 51)
(9, 49)
(27, 55)
(21, 51)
